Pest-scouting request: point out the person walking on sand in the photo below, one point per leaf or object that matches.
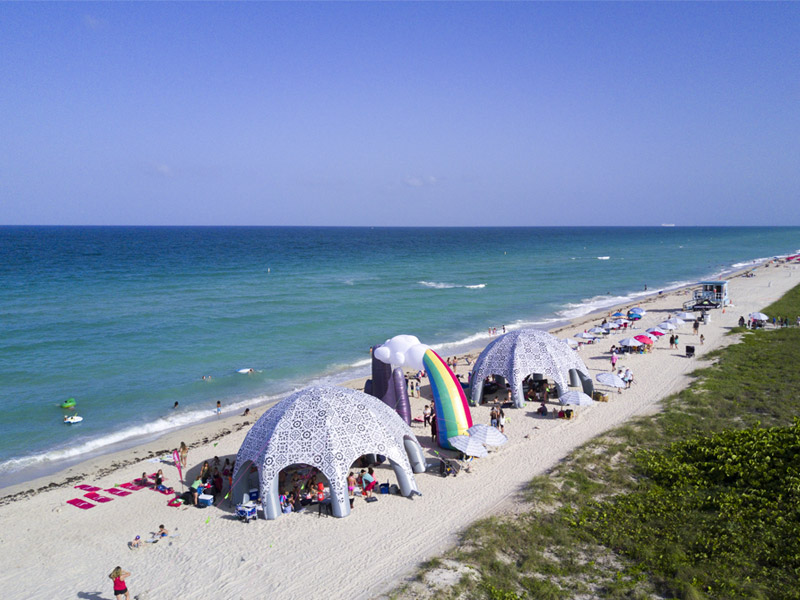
(120, 588)
(613, 360)
(184, 452)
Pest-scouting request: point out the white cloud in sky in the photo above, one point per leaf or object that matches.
(163, 170)
(417, 181)
(92, 22)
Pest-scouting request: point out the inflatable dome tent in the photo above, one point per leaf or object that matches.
(328, 428)
(524, 352)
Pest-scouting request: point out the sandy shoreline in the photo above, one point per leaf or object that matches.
(375, 547)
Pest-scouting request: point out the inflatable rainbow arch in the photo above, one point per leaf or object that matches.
(452, 410)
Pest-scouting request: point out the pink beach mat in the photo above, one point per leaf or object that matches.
(131, 486)
(97, 497)
(117, 492)
(87, 488)
(81, 503)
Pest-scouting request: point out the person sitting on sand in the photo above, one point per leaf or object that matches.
(159, 480)
(145, 481)
(136, 543)
(542, 410)
(246, 412)
(286, 506)
(162, 532)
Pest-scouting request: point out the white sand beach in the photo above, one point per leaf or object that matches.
(54, 550)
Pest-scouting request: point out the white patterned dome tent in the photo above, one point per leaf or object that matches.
(524, 352)
(328, 428)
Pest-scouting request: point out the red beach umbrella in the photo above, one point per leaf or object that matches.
(644, 339)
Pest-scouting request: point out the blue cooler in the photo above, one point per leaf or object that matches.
(205, 500)
(254, 494)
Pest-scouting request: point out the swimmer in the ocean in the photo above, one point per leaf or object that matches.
(174, 406)
(251, 371)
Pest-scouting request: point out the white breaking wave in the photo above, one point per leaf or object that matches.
(596, 303)
(446, 286)
(129, 436)
(750, 263)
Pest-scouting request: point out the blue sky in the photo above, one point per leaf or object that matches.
(400, 113)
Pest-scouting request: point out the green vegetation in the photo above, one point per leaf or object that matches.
(700, 501)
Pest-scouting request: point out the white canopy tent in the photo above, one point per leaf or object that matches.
(524, 352)
(328, 428)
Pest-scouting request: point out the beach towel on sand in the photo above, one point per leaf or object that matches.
(97, 497)
(81, 503)
(131, 486)
(117, 492)
(87, 488)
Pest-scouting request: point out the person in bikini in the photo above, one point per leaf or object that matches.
(351, 488)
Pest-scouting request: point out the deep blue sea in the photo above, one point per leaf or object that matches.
(127, 320)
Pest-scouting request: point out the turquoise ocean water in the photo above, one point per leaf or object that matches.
(127, 320)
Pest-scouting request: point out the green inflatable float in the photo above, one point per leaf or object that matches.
(68, 403)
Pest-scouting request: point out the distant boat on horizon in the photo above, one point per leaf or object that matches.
(668, 224)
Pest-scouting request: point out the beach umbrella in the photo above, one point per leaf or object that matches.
(667, 325)
(622, 322)
(758, 316)
(676, 321)
(469, 445)
(608, 326)
(645, 339)
(638, 310)
(575, 398)
(597, 330)
(656, 331)
(571, 343)
(487, 435)
(584, 335)
(618, 314)
(686, 316)
(634, 343)
(611, 379)
(634, 316)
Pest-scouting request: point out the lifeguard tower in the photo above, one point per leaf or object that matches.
(712, 294)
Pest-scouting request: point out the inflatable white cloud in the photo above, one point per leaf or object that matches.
(403, 351)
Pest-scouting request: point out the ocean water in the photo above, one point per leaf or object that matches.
(127, 320)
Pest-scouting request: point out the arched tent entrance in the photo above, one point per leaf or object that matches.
(327, 428)
(524, 352)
